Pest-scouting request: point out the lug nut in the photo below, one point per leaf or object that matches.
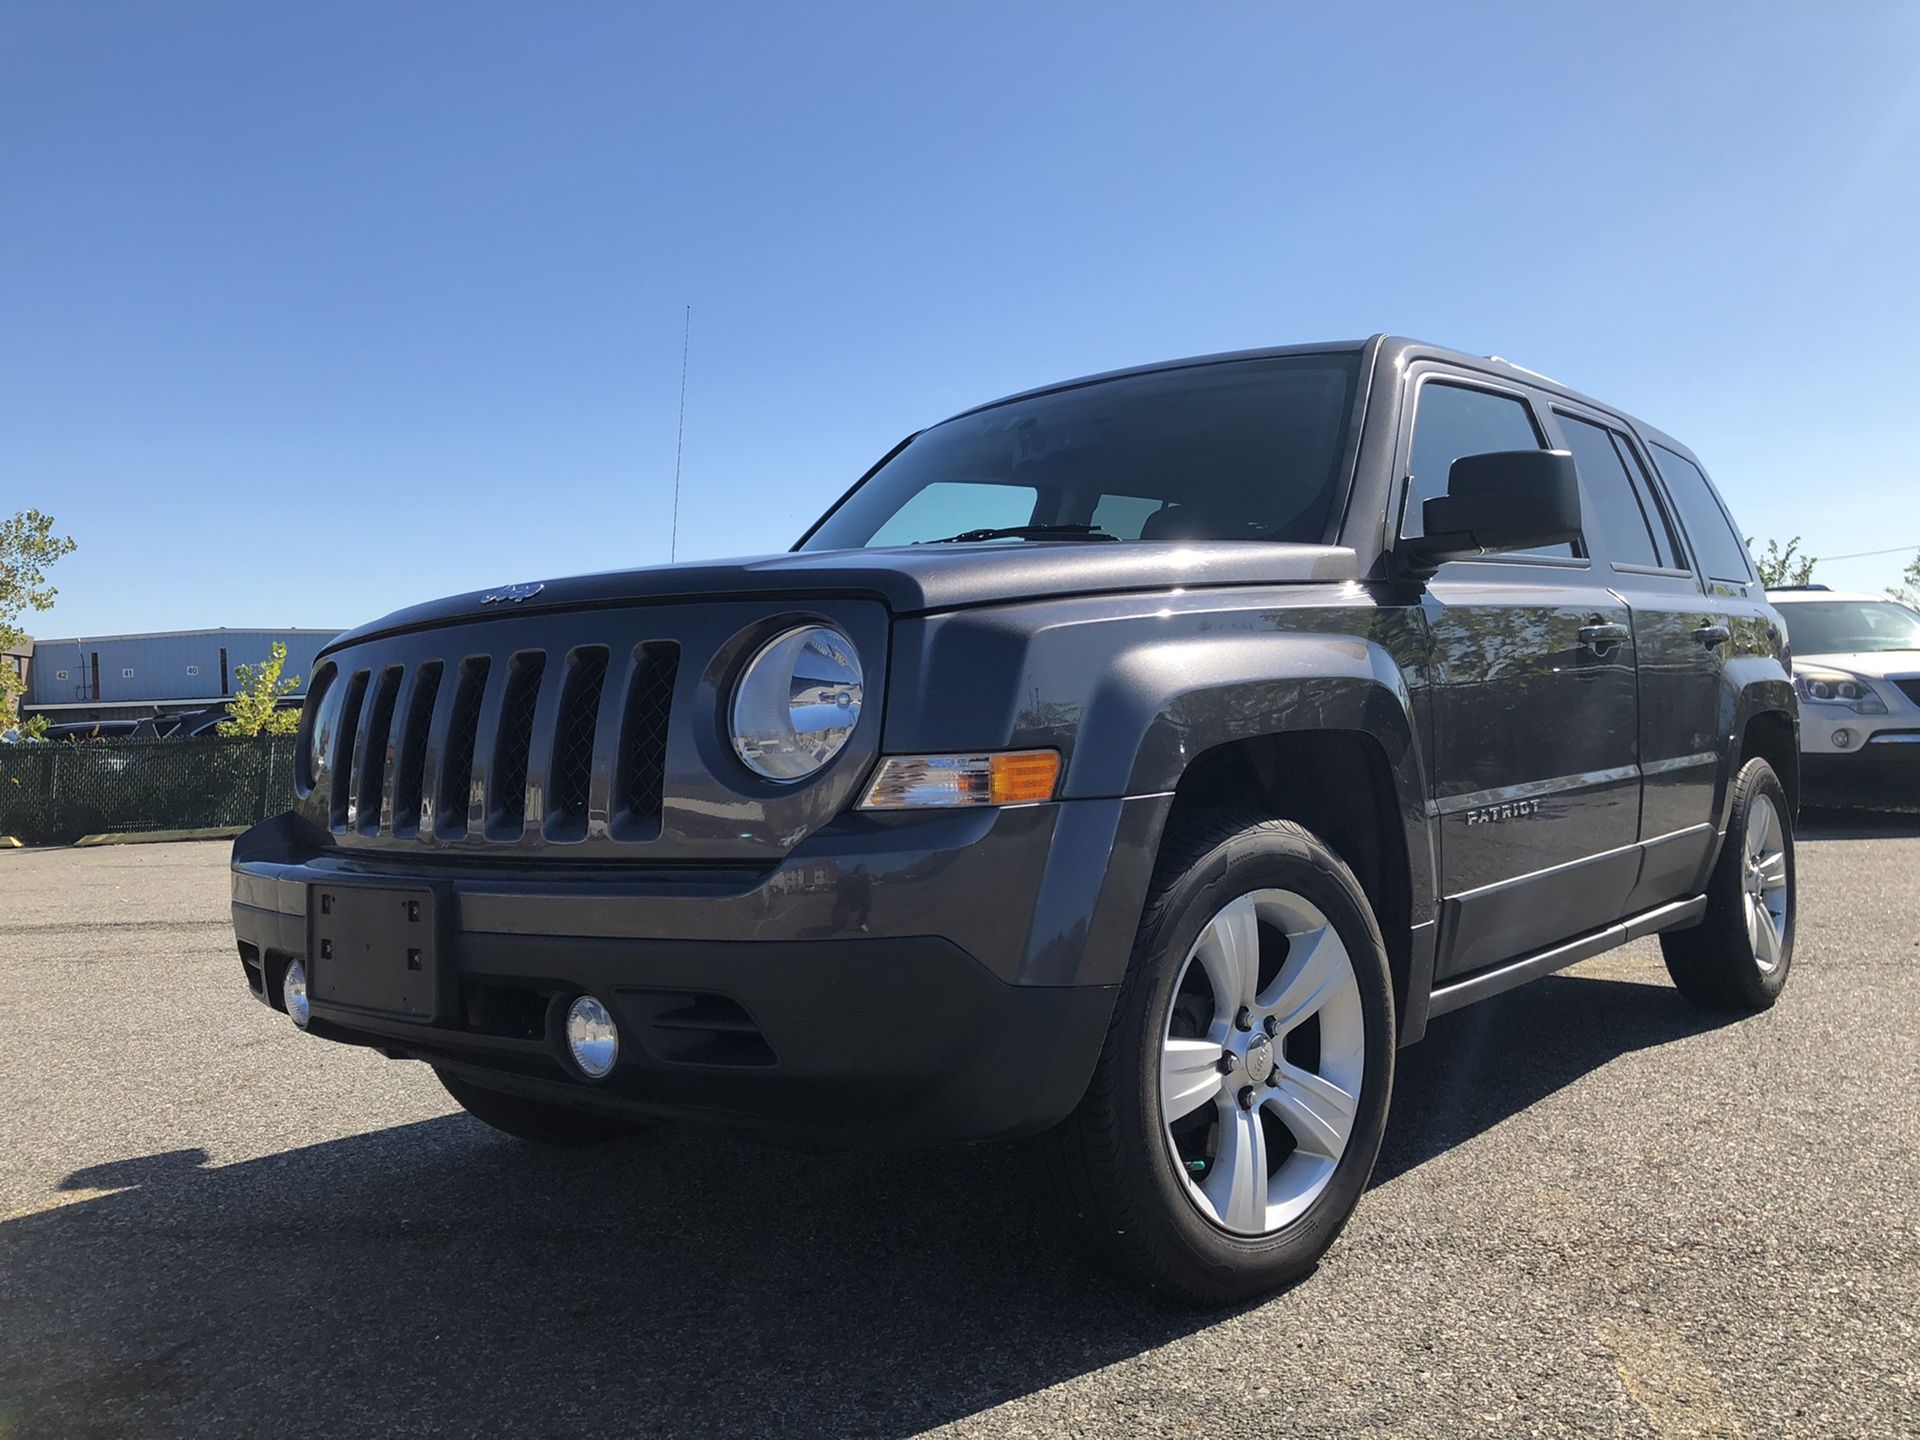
(1273, 1025)
(1246, 1098)
(1226, 1063)
(1244, 1020)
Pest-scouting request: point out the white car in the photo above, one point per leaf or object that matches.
(1856, 664)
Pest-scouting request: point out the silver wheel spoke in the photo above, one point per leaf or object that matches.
(1230, 951)
(1773, 871)
(1237, 1185)
(1316, 963)
(1189, 1076)
(1759, 824)
(1767, 948)
(1318, 1112)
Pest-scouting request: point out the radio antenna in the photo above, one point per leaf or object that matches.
(680, 438)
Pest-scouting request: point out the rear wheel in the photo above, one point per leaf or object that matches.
(1239, 1103)
(534, 1120)
(1738, 956)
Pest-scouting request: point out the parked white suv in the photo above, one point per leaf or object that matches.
(1856, 664)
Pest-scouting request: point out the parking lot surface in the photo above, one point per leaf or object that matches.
(1598, 1211)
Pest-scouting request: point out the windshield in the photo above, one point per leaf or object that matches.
(1838, 627)
(1238, 450)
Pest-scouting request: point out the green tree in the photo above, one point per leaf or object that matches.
(255, 707)
(28, 549)
(1783, 565)
(1909, 587)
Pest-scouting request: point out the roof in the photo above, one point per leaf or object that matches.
(1393, 350)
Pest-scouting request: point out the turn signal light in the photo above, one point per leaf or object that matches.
(1013, 777)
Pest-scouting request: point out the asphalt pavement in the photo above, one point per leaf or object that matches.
(1598, 1212)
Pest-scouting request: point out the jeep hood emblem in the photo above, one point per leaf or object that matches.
(515, 593)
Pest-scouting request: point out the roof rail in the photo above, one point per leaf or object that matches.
(1502, 360)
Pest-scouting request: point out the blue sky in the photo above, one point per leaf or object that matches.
(310, 311)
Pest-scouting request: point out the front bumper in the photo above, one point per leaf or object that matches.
(914, 978)
(1882, 770)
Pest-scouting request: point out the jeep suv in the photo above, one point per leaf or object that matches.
(1133, 764)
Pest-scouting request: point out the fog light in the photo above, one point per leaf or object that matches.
(1842, 738)
(294, 988)
(592, 1037)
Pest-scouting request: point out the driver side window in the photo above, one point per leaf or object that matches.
(1454, 420)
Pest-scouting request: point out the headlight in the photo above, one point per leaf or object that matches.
(323, 710)
(1836, 687)
(796, 703)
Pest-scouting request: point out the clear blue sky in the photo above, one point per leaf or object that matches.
(310, 311)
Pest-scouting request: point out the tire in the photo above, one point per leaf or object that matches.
(533, 1120)
(1168, 1202)
(1734, 959)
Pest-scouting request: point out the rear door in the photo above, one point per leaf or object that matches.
(1681, 649)
(1535, 764)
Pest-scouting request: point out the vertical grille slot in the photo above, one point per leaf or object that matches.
(456, 767)
(373, 769)
(641, 775)
(345, 748)
(412, 761)
(570, 776)
(514, 747)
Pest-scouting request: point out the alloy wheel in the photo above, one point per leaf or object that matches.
(1768, 897)
(1261, 1062)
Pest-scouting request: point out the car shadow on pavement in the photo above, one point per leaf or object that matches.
(436, 1278)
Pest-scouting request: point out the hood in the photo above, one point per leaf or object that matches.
(911, 580)
(1874, 664)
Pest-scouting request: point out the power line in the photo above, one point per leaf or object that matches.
(679, 438)
(1867, 554)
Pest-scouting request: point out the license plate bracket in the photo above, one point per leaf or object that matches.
(378, 948)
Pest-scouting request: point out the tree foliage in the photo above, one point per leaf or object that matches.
(28, 549)
(1784, 565)
(1909, 587)
(255, 708)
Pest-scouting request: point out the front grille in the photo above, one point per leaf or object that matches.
(513, 748)
(643, 742)
(456, 767)
(570, 781)
(1910, 688)
(523, 747)
(409, 770)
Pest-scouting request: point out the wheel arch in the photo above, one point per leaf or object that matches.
(1339, 785)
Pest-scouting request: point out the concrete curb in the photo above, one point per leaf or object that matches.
(7, 842)
(153, 837)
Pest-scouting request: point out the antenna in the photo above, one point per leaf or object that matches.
(680, 438)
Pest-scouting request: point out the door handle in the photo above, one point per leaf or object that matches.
(1598, 637)
(1712, 636)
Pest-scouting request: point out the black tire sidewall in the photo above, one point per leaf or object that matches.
(1269, 855)
(1757, 778)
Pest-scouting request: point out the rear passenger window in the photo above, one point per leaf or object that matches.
(1456, 420)
(1617, 510)
(1722, 555)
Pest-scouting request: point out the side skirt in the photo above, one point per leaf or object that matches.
(1676, 915)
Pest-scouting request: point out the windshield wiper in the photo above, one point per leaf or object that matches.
(1025, 532)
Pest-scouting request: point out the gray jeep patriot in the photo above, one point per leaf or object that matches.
(1132, 764)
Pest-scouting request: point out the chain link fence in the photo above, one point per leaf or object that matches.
(55, 793)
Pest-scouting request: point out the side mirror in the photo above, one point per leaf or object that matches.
(1501, 500)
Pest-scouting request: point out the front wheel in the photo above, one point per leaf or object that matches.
(1239, 1103)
